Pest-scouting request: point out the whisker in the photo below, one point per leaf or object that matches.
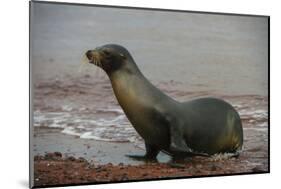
(101, 65)
(99, 69)
(84, 60)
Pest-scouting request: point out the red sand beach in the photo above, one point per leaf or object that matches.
(63, 115)
(52, 169)
(90, 161)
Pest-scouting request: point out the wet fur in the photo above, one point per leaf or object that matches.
(203, 126)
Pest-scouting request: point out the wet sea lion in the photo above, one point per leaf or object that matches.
(203, 126)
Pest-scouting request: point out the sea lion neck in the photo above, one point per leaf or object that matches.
(128, 68)
(132, 88)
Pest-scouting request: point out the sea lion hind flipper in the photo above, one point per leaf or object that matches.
(141, 158)
(177, 142)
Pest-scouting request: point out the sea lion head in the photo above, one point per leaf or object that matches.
(109, 57)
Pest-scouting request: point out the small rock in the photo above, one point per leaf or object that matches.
(109, 164)
(53, 156)
(213, 168)
(100, 169)
(81, 159)
(58, 154)
(145, 174)
(38, 157)
(71, 158)
(258, 169)
(91, 166)
(124, 176)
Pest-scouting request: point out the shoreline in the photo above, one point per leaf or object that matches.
(49, 140)
(64, 159)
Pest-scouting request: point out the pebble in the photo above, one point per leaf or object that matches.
(53, 156)
(213, 168)
(145, 174)
(81, 159)
(58, 154)
(124, 177)
(71, 158)
(257, 169)
(109, 164)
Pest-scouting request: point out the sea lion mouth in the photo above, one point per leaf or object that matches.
(94, 57)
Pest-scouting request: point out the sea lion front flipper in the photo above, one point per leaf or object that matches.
(177, 143)
(150, 155)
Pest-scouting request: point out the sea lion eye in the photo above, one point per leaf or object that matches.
(122, 55)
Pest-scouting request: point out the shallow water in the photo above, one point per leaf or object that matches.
(88, 109)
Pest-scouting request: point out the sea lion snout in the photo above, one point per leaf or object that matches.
(108, 57)
(94, 57)
(88, 54)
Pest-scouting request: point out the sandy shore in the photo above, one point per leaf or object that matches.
(79, 160)
(53, 170)
(68, 159)
(51, 140)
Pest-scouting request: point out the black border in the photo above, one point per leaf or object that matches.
(30, 99)
(268, 75)
(145, 9)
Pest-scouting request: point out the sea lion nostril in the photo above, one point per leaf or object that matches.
(88, 54)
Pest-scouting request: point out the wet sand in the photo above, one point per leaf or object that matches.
(63, 159)
(52, 140)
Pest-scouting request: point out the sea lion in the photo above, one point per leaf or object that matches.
(204, 126)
